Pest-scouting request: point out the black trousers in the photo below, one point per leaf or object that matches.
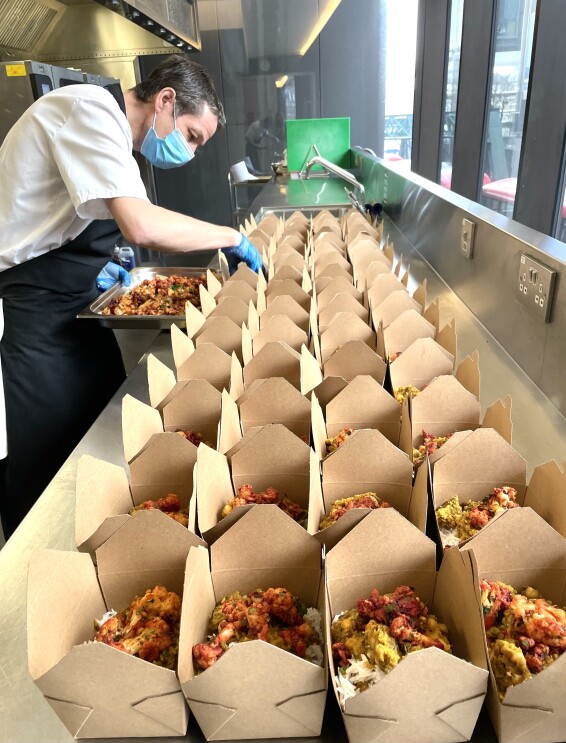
(58, 372)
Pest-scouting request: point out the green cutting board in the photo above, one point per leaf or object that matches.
(331, 136)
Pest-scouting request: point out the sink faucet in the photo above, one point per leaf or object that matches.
(359, 203)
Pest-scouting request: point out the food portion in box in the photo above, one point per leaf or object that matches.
(273, 615)
(336, 441)
(163, 295)
(170, 506)
(147, 629)
(525, 632)
(458, 522)
(400, 393)
(370, 640)
(247, 496)
(195, 438)
(430, 444)
(343, 505)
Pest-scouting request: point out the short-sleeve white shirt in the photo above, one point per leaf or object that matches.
(68, 152)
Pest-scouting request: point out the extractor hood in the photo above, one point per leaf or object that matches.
(63, 31)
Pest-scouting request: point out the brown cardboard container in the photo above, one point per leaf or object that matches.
(288, 272)
(276, 400)
(333, 258)
(331, 271)
(520, 549)
(103, 502)
(327, 390)
(286, 256)
(472, 466)
(443, 407)
(237, 288)
(340, 303)
(278, 288)
(420, 363)
(546, 494)
(278, 359)
(395, 304)
(98, 691)
(363, 403)
(223, 332)
(247, 557)
(355, 358)
(446, 692)
(284, 305)
(266, 456)
(368, 462)
(346, 326)
(405, 329)
(277, 328)
(205, 362)
(339, 285)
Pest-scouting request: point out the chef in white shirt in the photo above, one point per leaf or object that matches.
(69, 186)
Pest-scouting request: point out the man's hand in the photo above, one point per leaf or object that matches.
(246, 252)
(110, 275)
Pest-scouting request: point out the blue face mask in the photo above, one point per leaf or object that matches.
(171, 152)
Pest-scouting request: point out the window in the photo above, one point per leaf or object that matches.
(451, 93)
(401, 38)
(504, 126)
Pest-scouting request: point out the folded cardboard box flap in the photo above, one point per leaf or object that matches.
(354, 358)
(339, 285)
(420, 363)
(481, 461)
(139, 423)
(223, 332)
(345, 327)
(148, 550)
(164, 466)
(279, 328)
(405, 329)
(275, 359)
(207, 362)
(443, 407)
(327, 390)
(276, 400)
(160, 378)
(196, 407)
(545, 494)
(340, 303)
(288, 287)
(368, 462)
(234, 308)
(102, 494)
(392, 306)
(285, 305)
(89, 685)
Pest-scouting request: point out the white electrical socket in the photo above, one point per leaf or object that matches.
(467, 238)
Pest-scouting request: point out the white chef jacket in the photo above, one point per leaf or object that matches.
(69, 151)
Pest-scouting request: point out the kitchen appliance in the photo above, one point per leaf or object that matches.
(23, 82)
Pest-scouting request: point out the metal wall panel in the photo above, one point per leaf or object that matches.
(431, 217)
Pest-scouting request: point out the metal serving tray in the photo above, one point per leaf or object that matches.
(139, 322)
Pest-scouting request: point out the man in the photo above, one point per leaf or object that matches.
(69, 186)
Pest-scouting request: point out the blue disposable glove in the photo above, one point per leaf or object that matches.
(110, 275)
(246, 252)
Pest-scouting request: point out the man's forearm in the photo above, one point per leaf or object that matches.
(153, 227)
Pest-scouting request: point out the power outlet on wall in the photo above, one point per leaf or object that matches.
(467, 238)
(535, 286)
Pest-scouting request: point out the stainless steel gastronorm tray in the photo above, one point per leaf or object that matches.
(146, 322)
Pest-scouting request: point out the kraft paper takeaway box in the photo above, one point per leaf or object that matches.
(472, 466)
(273, 400)
(363, 403)
(205, 362)
(346, 326)
(340, 303)
(420, 363)
(278, 694)
(520, 549)
(96, 690)
(275, 328)
(103, 502)
(431, 695)
(282, 305)
(546, 494)
(267, 456)
(278, 359)
(368, 462)
(355, 358)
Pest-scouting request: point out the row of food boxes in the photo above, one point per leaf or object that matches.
(251, 448)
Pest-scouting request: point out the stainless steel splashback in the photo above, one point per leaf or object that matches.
(99, 36)
(431, 218)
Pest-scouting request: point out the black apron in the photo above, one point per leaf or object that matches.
(58, 372)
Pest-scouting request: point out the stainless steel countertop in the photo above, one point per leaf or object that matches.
(25, 717)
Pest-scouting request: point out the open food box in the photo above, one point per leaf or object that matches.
(428, 695)
(254, 689)
(96, 690)
(520, 550)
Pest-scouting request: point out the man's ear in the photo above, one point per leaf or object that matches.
(165, 98)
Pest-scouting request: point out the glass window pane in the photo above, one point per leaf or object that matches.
(401, 43)
(451, 94)
(504, 126)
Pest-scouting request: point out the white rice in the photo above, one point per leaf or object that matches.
(314, 652)
(109, 614)
(358, 672)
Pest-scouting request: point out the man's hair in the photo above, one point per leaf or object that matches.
(190, 81)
